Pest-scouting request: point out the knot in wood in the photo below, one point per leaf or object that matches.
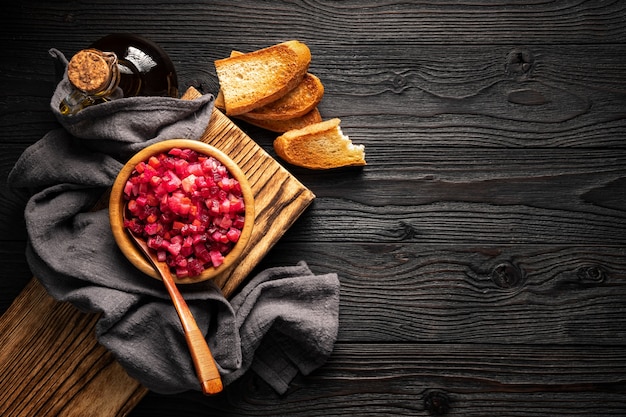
(591, 273)
(507, 275)
(519, 62)
(407, 231)
(437, 403)
(399, 83)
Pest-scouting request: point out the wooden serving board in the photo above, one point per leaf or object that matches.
(50, 360)
(279, 198)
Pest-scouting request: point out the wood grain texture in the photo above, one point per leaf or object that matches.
(506, 294)
(425, 380)
(51, 363)
(428, 22)
(534, 196)
(481, 250)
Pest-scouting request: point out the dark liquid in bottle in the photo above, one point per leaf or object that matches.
(145, 68)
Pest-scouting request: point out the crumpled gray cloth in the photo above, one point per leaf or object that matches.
(283, 321)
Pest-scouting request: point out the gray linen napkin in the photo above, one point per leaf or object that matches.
(282, 322)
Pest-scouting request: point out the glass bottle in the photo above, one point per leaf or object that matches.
(135, 64)
(145, 68)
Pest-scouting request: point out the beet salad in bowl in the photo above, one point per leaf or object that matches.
(189, 202)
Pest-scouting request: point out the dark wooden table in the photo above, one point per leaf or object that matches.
(482, 250)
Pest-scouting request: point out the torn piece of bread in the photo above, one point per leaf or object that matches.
(319, 146)
(254, 79)
(282, 126)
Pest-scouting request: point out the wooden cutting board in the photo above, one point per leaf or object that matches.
(279, 198)
(50, 360)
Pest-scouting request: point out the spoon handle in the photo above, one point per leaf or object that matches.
(205, 365)
(203, 361)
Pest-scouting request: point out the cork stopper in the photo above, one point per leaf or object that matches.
(90, 70)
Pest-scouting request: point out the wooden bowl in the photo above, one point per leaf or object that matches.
(117, 205)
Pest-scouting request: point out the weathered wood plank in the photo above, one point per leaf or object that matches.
(472, 195)
(431, 379)
(455, 222)
(565, 22)
(509, 294)
(504, 195)
(12, 205)
(405, 174)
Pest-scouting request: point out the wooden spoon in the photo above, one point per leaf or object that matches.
(206, 369)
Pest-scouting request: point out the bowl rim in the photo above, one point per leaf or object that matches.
(117, 203)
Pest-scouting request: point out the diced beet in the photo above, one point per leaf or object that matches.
(154, 162)
(181, 272)
(132, 206)
(155, 242)
(151, 228)
(188, 184)
(238, 222)
(186, 251)
(155, 181)
(175, 152)
(216, 258)
(195, 267)
(128, 188)
(187, 207)
(225, 206)
(195, 169)
(233, 234)
(236, 204)
(141, 200)
(174, 248)
(223, 222)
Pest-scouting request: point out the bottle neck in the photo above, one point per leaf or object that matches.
(130, 78)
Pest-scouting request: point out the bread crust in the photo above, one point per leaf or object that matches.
(282, 126)
(296, 103)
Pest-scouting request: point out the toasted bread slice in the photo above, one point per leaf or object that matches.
(298, 102)
(257, 78)
(295, 104)
(319, 146)
(282, 126)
